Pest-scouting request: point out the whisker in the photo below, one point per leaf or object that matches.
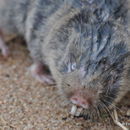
(114, 106)
(106, 108)
(102, 108)
(98, 112)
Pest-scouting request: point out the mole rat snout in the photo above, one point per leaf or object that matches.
(83, 98)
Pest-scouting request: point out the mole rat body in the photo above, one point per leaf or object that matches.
(85, 44)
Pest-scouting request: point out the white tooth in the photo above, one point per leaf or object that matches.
(73, 110)
(78, 111)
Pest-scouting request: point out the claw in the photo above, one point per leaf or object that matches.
(4, 49)
(38, 72)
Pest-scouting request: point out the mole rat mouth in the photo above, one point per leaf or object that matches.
(81, 100)
(76, 111)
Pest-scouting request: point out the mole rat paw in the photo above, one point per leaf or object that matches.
(46, 79)
(38, 72)
(4, 49)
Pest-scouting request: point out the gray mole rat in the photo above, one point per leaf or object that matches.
(84, 43)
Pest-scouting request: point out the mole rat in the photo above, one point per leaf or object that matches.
(84, 43)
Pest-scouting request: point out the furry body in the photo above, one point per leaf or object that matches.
(85, 44)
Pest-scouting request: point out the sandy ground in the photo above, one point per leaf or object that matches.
(26, 104)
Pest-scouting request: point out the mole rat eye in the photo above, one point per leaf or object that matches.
(73, 66)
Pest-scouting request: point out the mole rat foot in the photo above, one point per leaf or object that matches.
(38, 71)
(3, 48)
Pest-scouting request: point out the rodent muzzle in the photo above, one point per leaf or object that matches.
(83, 99)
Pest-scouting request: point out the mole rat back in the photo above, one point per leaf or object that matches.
(17, 15)
(12, 15)
(25, 18)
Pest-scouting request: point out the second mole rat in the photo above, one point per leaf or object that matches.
(85, 45)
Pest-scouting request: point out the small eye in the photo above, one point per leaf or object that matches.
(73, 66)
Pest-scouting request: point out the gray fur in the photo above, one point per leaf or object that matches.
(82, 42)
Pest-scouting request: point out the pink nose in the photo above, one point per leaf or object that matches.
(80, 101)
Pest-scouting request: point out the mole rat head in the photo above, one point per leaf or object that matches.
(91, 82)
(93, 66)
